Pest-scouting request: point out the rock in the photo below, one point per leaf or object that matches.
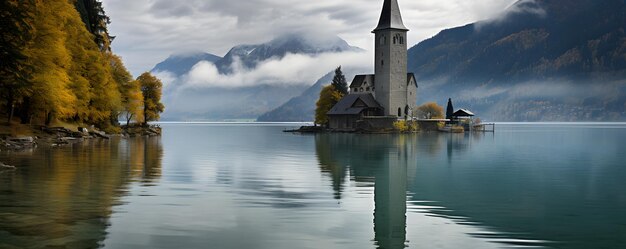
(99, 134)
(5, 166)
(22, 139)
(18, 143)
(83, 130)
(58, 131)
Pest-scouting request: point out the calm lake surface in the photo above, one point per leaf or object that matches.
(253, 186)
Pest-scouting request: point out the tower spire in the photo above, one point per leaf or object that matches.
(390, 18)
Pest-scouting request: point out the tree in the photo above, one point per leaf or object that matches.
(151, 88)
(95, 19)
(339, 81)
(55, 65)
(133, 101)
(430, 111)
(16, 19)
(449, 110)
(329, 97)
(130, 90)
(50, 95)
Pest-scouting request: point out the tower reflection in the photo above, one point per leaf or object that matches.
(383, 158)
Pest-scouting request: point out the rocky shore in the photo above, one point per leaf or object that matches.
(60, 136)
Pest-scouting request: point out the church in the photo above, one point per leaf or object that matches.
(377, 100)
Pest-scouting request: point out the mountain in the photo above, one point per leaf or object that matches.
(542, 60)
(233, 90)
(182, 63)
(251, 55)
(302, 108)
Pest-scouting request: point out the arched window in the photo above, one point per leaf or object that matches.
(383, 40)
(399, 112)
(361, 89)
(406, 110)
(398, 39)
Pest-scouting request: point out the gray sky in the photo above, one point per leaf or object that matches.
(148, 31)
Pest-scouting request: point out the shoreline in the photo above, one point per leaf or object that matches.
(23, 137)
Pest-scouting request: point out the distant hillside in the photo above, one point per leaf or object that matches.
(543, 60)
(302, 107)
(181, 64)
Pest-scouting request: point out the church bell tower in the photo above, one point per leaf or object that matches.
(391, 60)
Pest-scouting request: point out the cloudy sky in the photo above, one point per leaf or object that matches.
(148, 31)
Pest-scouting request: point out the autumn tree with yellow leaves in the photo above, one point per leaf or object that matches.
(151, 89)
(56, 64)
(329, 97)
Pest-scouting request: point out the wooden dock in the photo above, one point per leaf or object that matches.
(489, 127)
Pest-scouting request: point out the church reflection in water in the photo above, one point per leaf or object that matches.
(385, 159)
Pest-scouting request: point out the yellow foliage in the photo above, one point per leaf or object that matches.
(329, 96)
(151, 89)
(69, 77)
(50, 58)
(430, 111)
(400, 125)
(405, 126)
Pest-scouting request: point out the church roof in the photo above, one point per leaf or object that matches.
(362, 78)
(390, 18)
(371, 78)
(463, 113)
(410, 76)
(350, 104)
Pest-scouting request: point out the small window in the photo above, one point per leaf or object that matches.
(382, 63)
(399, 112)
(398, 39)
(367, 89)
(356, 89)
(383, 40)
(361, 89)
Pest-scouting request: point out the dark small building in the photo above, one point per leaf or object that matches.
(352, 108)
(463, 117)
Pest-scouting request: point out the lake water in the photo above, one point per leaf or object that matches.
(253, 186)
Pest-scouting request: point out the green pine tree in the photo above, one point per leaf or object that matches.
(339, 81)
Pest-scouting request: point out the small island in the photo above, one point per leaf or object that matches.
(384, 102)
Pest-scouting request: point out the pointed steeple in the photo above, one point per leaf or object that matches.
(390, 18)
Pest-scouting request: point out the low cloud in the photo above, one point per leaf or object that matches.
(293, 69)
(522, 7)
(148, 31)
